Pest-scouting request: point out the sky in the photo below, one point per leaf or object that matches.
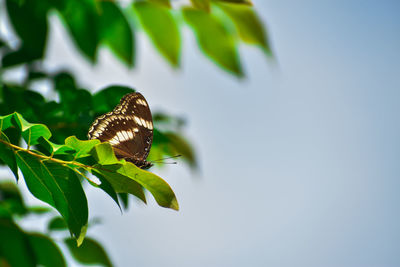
(299, 162)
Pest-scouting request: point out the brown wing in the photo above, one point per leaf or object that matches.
(128, 128)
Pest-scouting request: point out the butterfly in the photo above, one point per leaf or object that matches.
(128, 128)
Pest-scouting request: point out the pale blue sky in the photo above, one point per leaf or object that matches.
(299, 162)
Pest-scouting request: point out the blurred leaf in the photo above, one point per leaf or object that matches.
(214, 39)
(182, 147)
(164, 3)
(107, 98)
(82, 21)
(245, 2)
(14, 245)
(58, 186)
(29, 21)
(115, 31)
(90, 252)
(161, 27)
(39, 209)
(248, 24)
(46, 251)
(201, 4)
(11, 201)
(57, 224)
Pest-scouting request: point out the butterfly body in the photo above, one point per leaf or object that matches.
(128, 128)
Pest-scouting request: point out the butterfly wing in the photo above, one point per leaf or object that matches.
(128, 128)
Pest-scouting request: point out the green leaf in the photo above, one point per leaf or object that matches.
(31, 132)
(7, 154)
(124, 198)
(161, 27)
(90, 252)
(55, 149)
(107, 187)
(14, 245)
(11, 201)
(115, 31)
(164, 3)
(247, 23)
(30, 23)
(107, 98)
(104, 154)
(46, 251)
(120, 183)
(6, 122)
(58, 186)
(82, 147)
(182, 147)
(201, 4)
(160, 190)
(82, 22)
(57, 224)
(243, 2)
(214, 39)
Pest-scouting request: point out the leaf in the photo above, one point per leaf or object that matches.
(58, 186)
(243, 2)
(160, 190)
(115, 31)
(90, 252)
(107, 187)
(55, 149)
(214, 39)
(81, 19)
(107, 98)
(164, 3)
(161, 27)
(11, 202)
(14, 246)
(82, 147)
(7, 154)
(46, 251)
(104, 154)
(120, 183)
(30, 23)
(182, 147)
(247, 23)
(201, 4)
(57, 224)
(31, 132)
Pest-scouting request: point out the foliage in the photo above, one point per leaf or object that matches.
(219, 26)
(43, 134)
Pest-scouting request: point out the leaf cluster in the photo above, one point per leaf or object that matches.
(219, 26)
(35, 248)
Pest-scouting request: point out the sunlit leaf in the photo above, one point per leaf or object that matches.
(31, 132)
(161, 27)
(82, 147)
(164, 3)
(249, 26)
(201, 4)
(55, 149)
(115, 31)
(90, 252)
(244, 2)
(46, 251)
(214, 39)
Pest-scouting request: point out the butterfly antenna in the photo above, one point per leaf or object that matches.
(161, 160)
